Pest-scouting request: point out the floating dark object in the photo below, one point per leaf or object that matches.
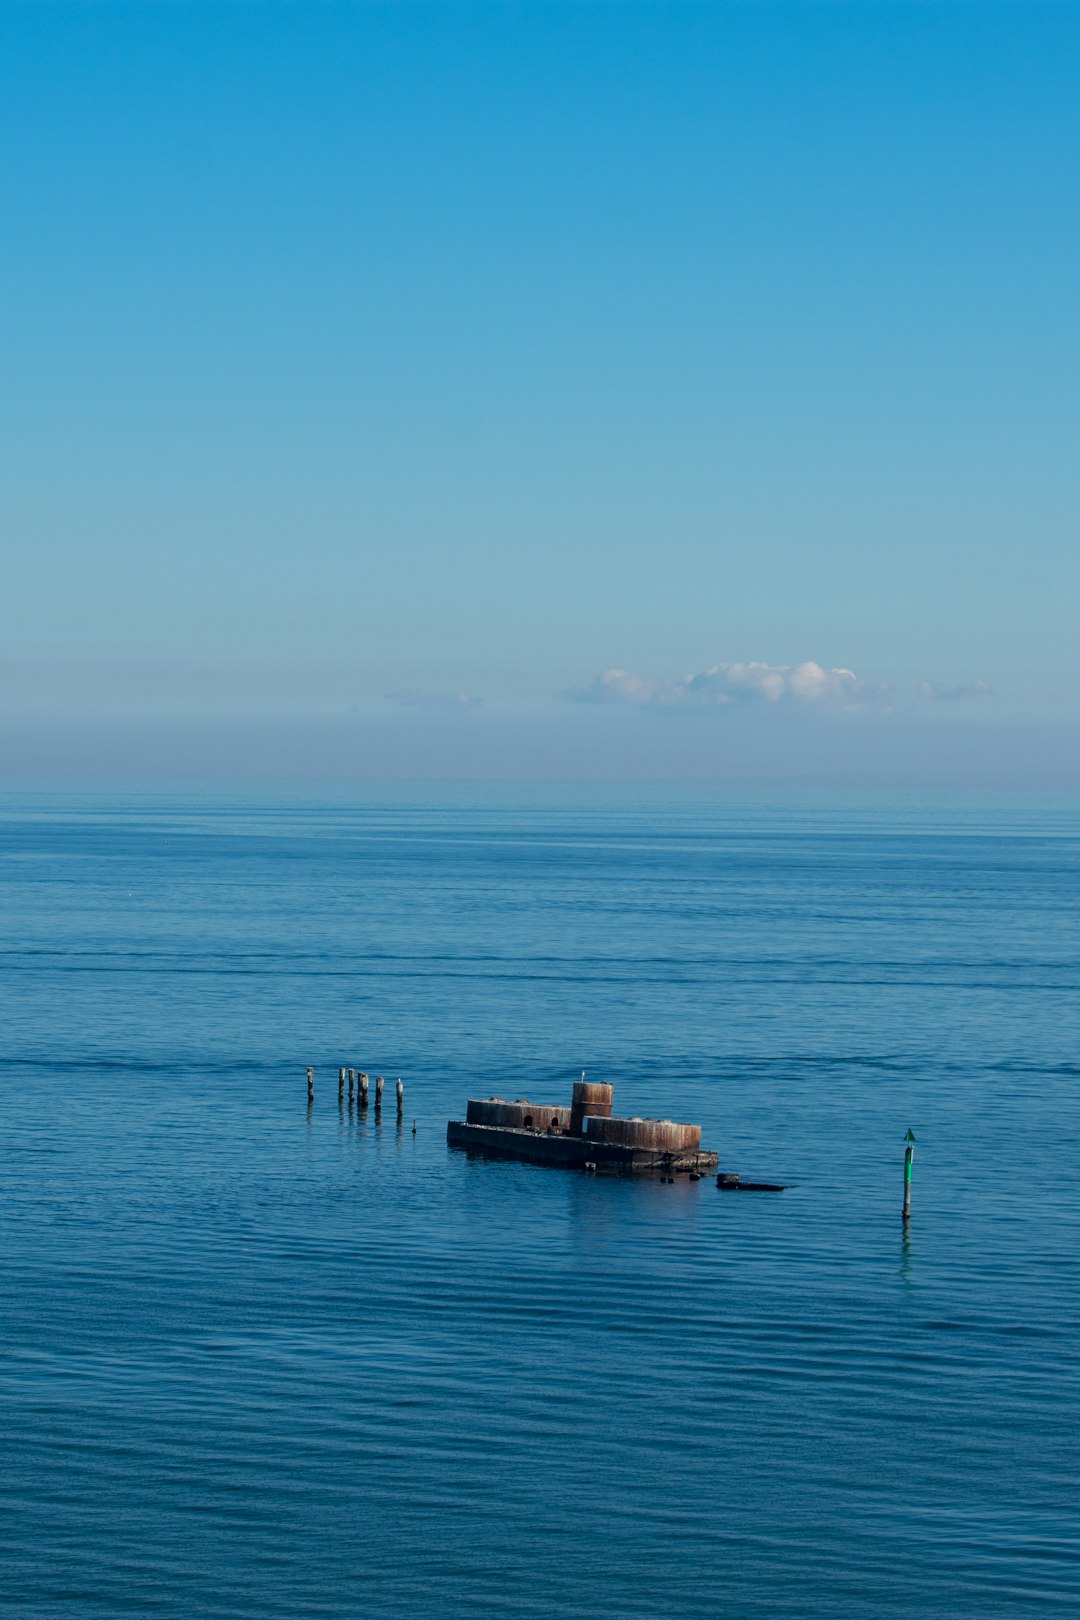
(727, 1182)
(584, 1136)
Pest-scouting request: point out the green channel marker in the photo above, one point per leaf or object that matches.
(909, 1154)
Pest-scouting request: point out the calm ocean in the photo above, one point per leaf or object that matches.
(258, 1362)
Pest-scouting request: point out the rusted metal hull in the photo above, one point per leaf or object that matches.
(729, 1182)
(575, 1152)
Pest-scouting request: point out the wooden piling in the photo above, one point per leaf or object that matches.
(352, 1082)
(311, 1085)
(361, 1089)
(340, 1084)
(378, 1091)
(400, 1090)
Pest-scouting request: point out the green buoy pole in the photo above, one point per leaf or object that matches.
(909, 1154)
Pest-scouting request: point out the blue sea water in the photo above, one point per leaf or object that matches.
(261, 1361)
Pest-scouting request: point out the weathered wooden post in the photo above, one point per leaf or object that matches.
(311, 1085)
(378, 1092)
(352, 1082)
(400, 1090)
(909, 1154)
(361, 1089)
(340, 1084)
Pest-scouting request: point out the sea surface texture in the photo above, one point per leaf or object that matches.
(261, 1361)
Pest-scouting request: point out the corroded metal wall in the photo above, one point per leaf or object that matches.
(590, 1100)
(519, 1115)
(661, 1135)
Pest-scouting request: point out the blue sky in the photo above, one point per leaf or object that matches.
(470, 352)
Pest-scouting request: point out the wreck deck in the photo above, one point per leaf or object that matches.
(574, 1152)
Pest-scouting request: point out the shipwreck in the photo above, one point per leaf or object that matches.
(585, 1136)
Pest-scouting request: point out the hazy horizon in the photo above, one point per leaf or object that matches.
(820, 752)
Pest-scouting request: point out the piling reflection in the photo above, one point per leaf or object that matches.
(906, 1274)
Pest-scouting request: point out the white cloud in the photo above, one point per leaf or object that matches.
(725, 684)
(934, 692)
(617, 686)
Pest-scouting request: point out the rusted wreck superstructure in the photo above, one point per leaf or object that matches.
(585, 1136)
